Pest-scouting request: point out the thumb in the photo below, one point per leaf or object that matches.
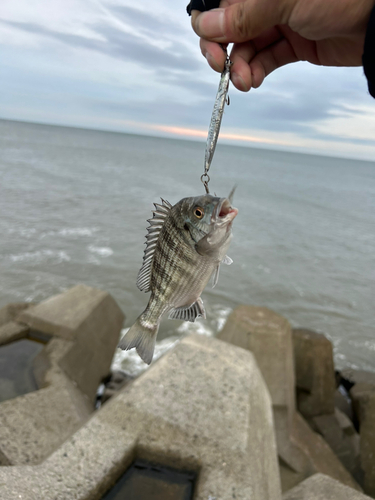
(241, 21)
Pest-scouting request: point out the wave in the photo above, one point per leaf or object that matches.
(102, 251)
(71, 231)
(41, 255)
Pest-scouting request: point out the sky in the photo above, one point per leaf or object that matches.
(137, 68)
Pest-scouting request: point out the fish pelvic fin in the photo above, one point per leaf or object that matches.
(142, 336)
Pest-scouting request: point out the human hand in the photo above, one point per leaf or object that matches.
(268, 34)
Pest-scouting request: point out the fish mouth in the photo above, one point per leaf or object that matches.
(224, 213)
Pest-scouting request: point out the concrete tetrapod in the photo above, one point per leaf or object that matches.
(321, 487)
(301, 451)
(81, 328)
(203, 406)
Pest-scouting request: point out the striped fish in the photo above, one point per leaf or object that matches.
(186, 243)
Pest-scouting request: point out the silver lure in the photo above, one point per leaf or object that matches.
(217, 115)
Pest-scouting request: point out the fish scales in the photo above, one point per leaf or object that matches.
(185, 245)
(175, 264)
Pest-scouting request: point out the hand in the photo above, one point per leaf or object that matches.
(268, 34)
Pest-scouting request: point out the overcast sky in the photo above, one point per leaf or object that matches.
(136, 67)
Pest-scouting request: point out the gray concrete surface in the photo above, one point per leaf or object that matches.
(268, 336)
(203, 406)
(315, 373)
(321, 487)
(318, 455)
(363, 396)
(83, 325)
(92, 320)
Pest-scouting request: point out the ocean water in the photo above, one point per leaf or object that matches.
(74, 204)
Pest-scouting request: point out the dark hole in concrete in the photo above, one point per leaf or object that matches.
(16, 368)
(145, 481)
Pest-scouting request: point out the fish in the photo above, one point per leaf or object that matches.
(186, 243)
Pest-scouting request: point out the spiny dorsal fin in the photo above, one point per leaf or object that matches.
(156, 223)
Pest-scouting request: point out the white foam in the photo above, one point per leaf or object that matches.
(200, 327)
(41, 255)
(102, 251)
(78, 231)
(26, 232)
(131, 363)
(71, 231)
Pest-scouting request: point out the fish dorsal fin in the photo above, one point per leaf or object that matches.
(156, 223)
(189, 313)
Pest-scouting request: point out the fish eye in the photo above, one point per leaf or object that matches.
(198, 212)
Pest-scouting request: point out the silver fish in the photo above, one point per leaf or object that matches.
(186, 244)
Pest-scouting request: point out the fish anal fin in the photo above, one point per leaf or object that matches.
(189, 313)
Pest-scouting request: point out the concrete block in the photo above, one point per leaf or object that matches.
(319, 455)
(10, 312)
(12, 331)
(203, 406)
(338, 431)
(322, 487)
(268, 336)
(32, 426)
(315, 374)
(75, 315)
(363, 396)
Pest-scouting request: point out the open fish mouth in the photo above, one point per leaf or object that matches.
(224, 213)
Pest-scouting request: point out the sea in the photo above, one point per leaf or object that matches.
(74, 204)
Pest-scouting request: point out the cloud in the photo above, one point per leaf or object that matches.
(118, 44)
(115, 63)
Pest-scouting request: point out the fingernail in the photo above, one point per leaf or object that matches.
(211, 24)
(213, 63)
(238, 82)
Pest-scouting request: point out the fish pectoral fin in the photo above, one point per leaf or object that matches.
(215, 275)
(227, 260)
(189, 313)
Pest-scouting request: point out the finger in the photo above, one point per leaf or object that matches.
(240, 56)
(241, 21)
(214, 54)
(243, 53)
(271, 58)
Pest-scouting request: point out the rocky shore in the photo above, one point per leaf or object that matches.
(258, 413)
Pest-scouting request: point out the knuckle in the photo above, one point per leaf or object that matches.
(239, 22)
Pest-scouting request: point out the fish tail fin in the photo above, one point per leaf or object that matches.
(142, 336)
